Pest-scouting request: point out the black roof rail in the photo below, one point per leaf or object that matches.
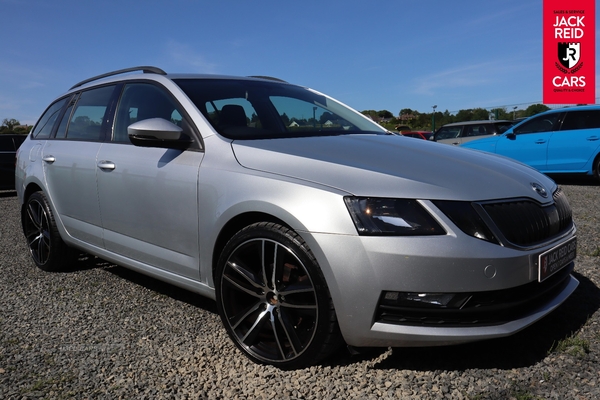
(268, 77)
(145, 69)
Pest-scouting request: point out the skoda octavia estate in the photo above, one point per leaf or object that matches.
(307, 223)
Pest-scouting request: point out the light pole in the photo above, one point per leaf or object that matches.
(515, 112)
(433, 118)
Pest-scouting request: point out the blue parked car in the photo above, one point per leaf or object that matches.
(561, 141)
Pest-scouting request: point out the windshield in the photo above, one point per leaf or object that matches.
(249, 109)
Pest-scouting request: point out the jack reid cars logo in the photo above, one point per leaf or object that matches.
(569, 56)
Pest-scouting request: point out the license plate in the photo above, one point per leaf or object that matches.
(551, 261)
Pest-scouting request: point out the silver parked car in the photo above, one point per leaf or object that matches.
(309, 224)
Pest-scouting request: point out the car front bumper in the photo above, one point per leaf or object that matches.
(360, 270)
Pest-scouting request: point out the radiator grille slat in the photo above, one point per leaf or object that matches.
(526, 222)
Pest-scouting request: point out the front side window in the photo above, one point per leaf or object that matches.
(249, 109)
(542, 123)
(141, 101)
(43, 128)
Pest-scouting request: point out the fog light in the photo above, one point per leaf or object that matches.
(425, 300)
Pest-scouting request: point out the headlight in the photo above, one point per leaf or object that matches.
(391, 217)
(463, 215)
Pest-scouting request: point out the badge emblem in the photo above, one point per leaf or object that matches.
(569, 54)
(539, 189)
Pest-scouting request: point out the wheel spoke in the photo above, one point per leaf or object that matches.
(34, 216)
(236, 320)
(290, 333)
(250, 337)
(282, 352)
(247, 276)
(38, 232)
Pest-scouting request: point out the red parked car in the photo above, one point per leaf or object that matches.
(418, 134)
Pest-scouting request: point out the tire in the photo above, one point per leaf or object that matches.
(597, 168)
(273, 299)
(46, 247)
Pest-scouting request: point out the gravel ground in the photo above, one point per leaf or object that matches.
(101, 331)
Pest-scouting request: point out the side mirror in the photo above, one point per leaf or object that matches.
(510, 135)
(158, 132)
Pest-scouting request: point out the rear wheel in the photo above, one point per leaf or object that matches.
(47, 249)
(273, 299)
(597, 168)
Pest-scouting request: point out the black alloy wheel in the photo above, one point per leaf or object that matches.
(46, 247)
(273, 299)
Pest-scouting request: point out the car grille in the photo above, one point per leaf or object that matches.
(481, 308)
(526, 222)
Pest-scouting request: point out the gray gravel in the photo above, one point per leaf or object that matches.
(101, 331)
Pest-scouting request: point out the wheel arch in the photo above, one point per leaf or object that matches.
(234, 225)
(29, 190)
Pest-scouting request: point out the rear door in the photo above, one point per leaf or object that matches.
(70, 163)
(573, 147)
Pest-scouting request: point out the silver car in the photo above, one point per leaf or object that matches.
(310, 225)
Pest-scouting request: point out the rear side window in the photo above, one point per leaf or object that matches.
(87, 119)
(43, 129)
(585, 119)
(478, 130)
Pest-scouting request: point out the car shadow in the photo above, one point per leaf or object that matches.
(87, 262)
(8, 193)
(578, 180)
(523, 349)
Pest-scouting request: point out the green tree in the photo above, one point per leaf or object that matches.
(326, 116)
(535, 109)
(385, 114)
(8, 125)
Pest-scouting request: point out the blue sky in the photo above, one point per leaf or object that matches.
(379, 54)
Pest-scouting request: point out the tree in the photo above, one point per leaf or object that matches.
(8, 125)
(385, 114)
(326, 116)
(535, 109)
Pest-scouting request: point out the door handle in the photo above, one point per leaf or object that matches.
(49, 159)
(540, 141)
(106, 165)
(592, 138)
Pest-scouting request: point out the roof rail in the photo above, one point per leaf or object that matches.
(145, 69)
(268, 78)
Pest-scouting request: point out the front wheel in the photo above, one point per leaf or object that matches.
(273, 299)
(46, 247)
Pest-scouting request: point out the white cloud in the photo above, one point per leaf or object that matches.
(189, 58)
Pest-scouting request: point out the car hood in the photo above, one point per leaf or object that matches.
(392, 166)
